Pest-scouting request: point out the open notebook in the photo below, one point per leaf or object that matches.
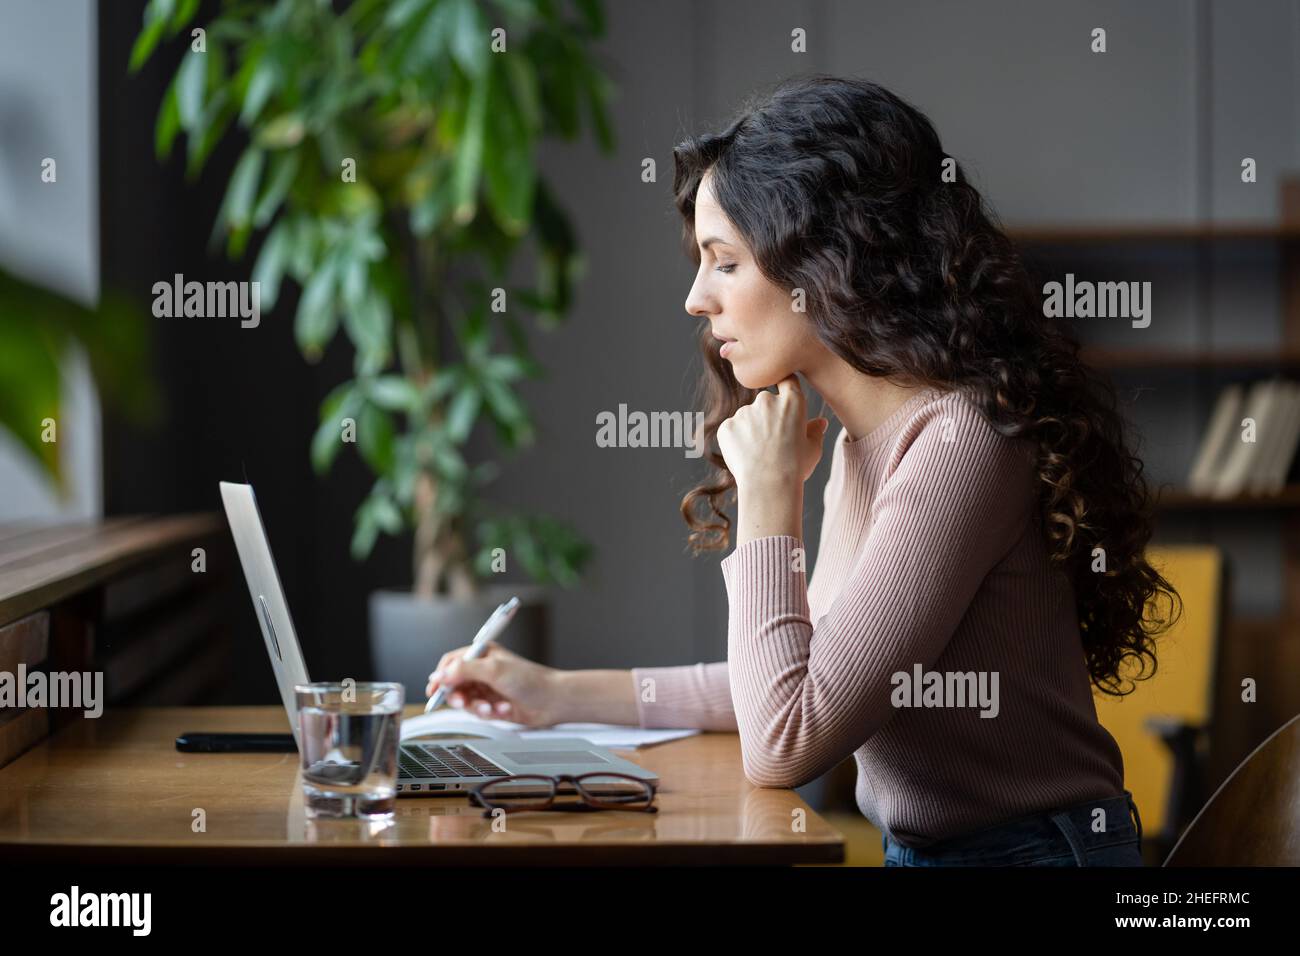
(450, 723)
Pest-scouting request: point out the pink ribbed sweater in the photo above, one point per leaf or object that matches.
(931, 554)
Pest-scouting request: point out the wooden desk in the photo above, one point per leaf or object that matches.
(123, 596)
(1254, 818)
(44, 565)
(116, 790)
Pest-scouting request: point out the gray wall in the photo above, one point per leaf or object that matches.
(1151, 131)
(49, 232)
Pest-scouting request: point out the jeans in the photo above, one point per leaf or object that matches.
(1057, 837)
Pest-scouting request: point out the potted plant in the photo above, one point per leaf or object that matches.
(390, 167)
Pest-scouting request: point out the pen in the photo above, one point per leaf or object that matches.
(492, 627)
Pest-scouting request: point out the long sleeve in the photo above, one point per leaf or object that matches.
(693, 695)
(806, 696)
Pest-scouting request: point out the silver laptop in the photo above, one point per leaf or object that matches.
(423, 769)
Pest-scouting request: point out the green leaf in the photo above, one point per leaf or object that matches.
(525, 549)
(511, 174)
(36, 329)
(522, 77)
(556, 265)
(505, 404)
(302, 247)
(184, 13)
(515, 331)
(339, 404)
(191, 79)
(430, 41)
(317, 319)
(508, 368)
(394, 393)
(386, 514)
(443, 383)
(469, 154)
(369, 325)
(525, 11)
(375, 435)
(30, 385)
(284, 167)
(243, 187)
(405, 470)
(429, 212)
(355, 280)
(462, 412)
(472, 333)
(365, 534)
(260, 87)
(548, 550)
(269, 269)
(284, 131)
(400, 13)
(154, 24)
(168, 124)
(469, 38)
(207, 132)
(451, 465)
(235, 213)
(560, 90)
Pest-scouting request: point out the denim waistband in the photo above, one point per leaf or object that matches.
(1074, 821)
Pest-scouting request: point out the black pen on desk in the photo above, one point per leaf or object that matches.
(491, 628)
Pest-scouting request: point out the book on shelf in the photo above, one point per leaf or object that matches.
(1233, 459)
(1281, 452)
(1215, 442)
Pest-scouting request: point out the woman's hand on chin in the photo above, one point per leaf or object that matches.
(771, 449)
(770, 443)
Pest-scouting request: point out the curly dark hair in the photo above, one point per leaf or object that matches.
(838, 187)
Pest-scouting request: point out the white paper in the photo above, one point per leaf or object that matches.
(614, 736)
(452, 723)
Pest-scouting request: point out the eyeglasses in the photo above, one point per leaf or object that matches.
(595, 791)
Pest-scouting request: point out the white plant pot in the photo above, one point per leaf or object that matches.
(409, 634)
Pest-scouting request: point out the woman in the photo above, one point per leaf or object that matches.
(981, 561)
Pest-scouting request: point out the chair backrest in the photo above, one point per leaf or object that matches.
(1183, 686)
(1250, 820)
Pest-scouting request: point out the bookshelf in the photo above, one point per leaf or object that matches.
(1251, 645)
(1154, 233)
(1286, 359)
(1179, 499)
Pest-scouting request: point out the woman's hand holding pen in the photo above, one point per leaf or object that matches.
(772, 448)
(499, 685)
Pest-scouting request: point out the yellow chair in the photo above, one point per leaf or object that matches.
(1162, 727)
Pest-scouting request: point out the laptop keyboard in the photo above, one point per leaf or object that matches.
(453, 760)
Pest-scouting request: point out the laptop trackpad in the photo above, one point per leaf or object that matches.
(554, 756)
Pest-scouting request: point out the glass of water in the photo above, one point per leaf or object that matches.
(348, 734)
